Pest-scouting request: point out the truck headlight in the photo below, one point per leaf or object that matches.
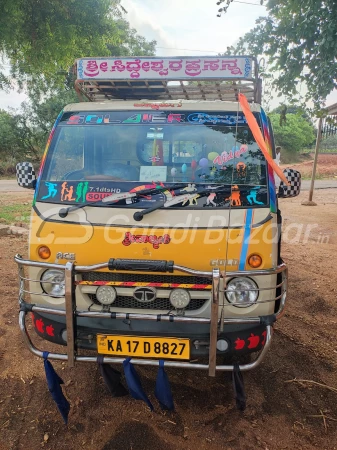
(52, 282)
(239, 292)
(180, 298)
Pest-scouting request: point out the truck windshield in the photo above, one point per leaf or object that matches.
(122, 149)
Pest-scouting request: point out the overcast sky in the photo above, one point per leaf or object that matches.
(183, 27)
(191, 27)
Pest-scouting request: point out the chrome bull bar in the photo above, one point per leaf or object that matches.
(71, 313)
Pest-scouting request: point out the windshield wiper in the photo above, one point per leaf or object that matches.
(116, 197)
(138, 216)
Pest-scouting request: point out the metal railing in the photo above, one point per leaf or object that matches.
(71, 313)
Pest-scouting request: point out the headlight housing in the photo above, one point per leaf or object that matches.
(239, 292)
(52, 282)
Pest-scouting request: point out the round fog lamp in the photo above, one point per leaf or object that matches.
(52, 282)
(180, 298)
(222, 345)
(242, 292)
(106, 295)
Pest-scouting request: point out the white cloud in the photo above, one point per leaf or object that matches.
(190, 24)
(141, 18)
(13, 99)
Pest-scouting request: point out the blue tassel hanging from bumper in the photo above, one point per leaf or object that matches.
(239, 388)
(163, 389)
(54, 386)
(134, 383)
(111, 378)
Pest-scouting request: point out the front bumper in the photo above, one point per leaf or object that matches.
(238, 337)
(82, 326)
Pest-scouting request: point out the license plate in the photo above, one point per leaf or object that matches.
(143, 347)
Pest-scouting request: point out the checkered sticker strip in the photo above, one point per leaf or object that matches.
(25, 174)
(294, 188)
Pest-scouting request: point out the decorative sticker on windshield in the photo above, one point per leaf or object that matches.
(52, 190)
(157, 117)
(217, 119)
(129, 194)
(236, 152)
(78, 192)
(241, 170)
(67, 192)
(235, 197)
(252, 196)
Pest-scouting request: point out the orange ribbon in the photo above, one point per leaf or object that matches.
(255, 129)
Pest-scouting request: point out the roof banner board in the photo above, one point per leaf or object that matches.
(179, 68)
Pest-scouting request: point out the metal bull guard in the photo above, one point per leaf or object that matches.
(71, 313)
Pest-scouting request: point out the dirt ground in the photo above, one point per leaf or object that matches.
(281, 413)
(326, 168)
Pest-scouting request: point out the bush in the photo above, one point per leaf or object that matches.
(295, 134)
(8, 166)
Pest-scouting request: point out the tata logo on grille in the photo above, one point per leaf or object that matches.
(145, 294)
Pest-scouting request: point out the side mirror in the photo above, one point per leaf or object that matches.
(294, 188)
(25, 175)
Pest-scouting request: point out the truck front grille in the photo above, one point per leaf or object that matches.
(146, 278)
(162, 304)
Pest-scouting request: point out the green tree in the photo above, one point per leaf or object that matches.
(17, 140)
(48, 36)
(294, 135)
(38, 117)
(329, 143)
(130, 42)
(299, 40)
(41, 39)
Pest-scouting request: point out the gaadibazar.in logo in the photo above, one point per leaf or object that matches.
(141, 239)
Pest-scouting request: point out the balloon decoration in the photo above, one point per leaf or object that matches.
(203, 163)
(194, 165)
(184, 170)
(212, 156)
(173, 172)
(212, 172)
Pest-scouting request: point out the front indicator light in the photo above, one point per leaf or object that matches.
(180, 298)
(106, 295)
(255, 261)
(52, 282)
(44, 252)
(242, 292)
